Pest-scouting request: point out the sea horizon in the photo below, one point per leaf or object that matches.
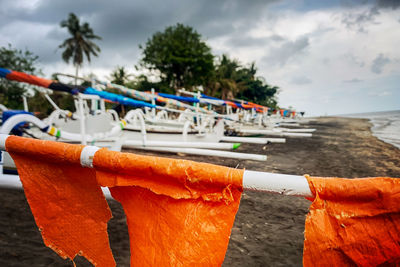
(385, 124)
(363, 113)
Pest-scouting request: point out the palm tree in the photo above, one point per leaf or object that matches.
(226, 76)
(79, 43)
(120, 76)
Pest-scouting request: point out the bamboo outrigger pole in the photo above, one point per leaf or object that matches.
(293, 185)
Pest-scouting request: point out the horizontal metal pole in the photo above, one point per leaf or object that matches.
(206, 145)
(252, 140)
(292, 185)
(284, 184)
(274, 133)
(208, 152)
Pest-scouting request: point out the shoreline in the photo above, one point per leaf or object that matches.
(383, 124)
(268, 229)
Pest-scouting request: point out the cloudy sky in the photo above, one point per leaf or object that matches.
(328, 57)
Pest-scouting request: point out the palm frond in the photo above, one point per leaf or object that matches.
(79, 44)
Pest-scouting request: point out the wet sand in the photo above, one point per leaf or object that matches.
(268, 229)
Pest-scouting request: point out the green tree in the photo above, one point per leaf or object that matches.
(256, 89)
(224, 83)
(181, 57)
(11, 92)
(15, 59)
(232, 80)
(120, 76)
(80, 43)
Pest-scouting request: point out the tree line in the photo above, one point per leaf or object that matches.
(175, 58)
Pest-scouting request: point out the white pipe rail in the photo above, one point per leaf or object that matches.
(188, 111)
(56, 114)
(252, 140)
(291, 185)
(3, 108)
(303, 130)
(9, 124)
(206, 145)
(9, 180)
(14, 120)
(153, 102)
(102, 105)
(274, 133)
(207, 152)
(25, 101)
(183, 115)
(82, 120)
(185, 130)
(113, 114)
(138, 114)
(283, 184)
(288, 124)
(162, 115)
(52, 102)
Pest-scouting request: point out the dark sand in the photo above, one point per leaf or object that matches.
(268, 229)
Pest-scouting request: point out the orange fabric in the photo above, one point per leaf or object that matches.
(179, 212)
(230, 103)
(259, 108)
(256, 105)
(248, 106)
(66, 201)
(353, 222)
(23, 77)
(109, 101)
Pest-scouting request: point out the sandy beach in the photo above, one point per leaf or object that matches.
(268, 229)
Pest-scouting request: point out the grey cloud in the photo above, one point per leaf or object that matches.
(379, 63)
(285, 52)
(360, 21)
(276, 38)
(126, 24)
(354, 80)
(301, 80)
(393, 4)
(244, 41)
(142, 18)
(380, 4)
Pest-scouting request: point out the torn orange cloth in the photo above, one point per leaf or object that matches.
(353, 222)
(68, 205)
(179, 212)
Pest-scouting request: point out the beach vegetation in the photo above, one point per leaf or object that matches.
(182, 58)
(80, 43)
(19, 60)
(233, 80)
(11, 92)
(224, 82)
(120, 76)
(255, 88)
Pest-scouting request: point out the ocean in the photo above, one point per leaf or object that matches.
(385, 125)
